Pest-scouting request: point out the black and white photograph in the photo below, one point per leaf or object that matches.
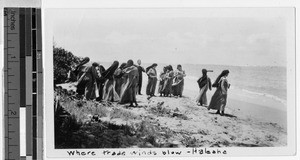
(179, 78)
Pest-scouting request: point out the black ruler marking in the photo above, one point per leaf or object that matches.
(22, 57)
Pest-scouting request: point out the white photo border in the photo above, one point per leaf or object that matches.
(289, 150)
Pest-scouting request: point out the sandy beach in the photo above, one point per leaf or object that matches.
(236, 128)
(243, 105)
(248, 122)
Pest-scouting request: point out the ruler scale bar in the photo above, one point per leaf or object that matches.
(23, 79)
(12, 103)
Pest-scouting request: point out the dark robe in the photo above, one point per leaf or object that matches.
(162, 78)
(101, 82)
(152, 80)
(141, 70)
(88, 81)
(167, 86)
(75, 74)
(219, 99)
(177, 86)
(118, 76)
(79, 77)
(129, 86)
(109, 92)
(204, 84)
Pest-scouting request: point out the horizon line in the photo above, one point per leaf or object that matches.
(201, 64)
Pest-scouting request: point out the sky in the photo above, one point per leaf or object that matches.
(220, 36)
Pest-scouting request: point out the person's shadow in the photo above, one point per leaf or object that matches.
(229, 115)
(138, 106)
(225, 115)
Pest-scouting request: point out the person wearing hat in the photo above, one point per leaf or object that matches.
(219, 99)
(152, 80)
(204, 84)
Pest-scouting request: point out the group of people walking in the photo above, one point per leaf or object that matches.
(114, 84)
(219, 98)
(121, 83)
(170, 82)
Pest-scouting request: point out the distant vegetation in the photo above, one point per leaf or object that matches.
(62, 62)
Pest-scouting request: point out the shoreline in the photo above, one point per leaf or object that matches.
(260, 108)
(259, 112)
(241, 104)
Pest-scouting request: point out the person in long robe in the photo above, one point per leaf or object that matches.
(162, 78)
(141, 70)
(76, 73)
(167, 86)
(204, 84)
(80, 79)
(89, 80)
(130, 84)
(219, 99)
(109, 92)
(118, 76)
(177, 86)
(100, 82)
(77, 70)
(152, 80)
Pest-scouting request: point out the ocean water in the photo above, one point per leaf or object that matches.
(267, 81)
(258, 80)
(264, 81)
